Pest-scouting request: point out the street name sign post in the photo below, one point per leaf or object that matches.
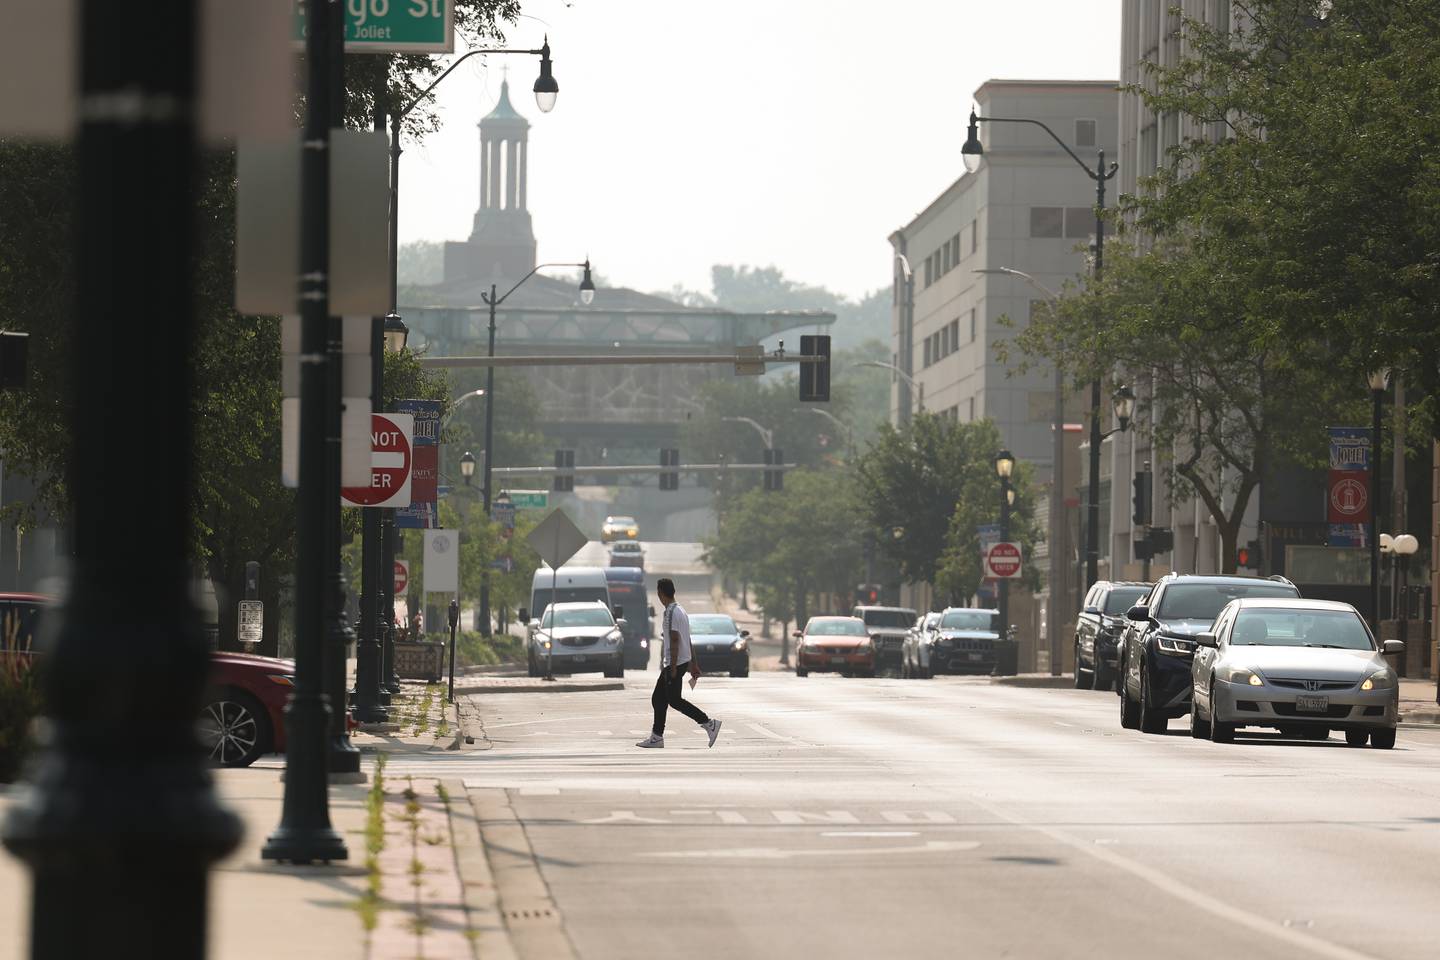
(556, 539)
(1002, 561)
(391, 26)
(528, 499)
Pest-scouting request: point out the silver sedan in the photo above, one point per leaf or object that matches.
(1304, 667)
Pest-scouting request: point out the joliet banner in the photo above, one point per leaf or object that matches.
(1347, 492)
(425, 478)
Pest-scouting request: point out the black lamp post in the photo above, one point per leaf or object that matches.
(587, 297)
(1004, 467)
(970, 153)
(129, 833)
(1378, 380)
(467, 467)
(396, 336)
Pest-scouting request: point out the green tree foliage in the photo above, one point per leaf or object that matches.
(924, 487)
(792, 544)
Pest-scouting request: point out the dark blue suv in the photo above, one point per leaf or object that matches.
(1159, 642)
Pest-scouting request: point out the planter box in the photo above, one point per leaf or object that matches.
(419, 660)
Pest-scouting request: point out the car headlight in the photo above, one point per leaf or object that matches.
(545, 644)
(285, 680)
(1241, 675)
(644, 644)
(738, 644)
(1379, 680)
(1174, 645)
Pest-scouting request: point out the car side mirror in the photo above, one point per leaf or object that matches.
(1393, 646)
(1093, 611)
(534, 624)
(1139, 613)
(620, 621)
(744, 633)
(1206, 640)
(523, 614)
(798, 634)
(618, 612)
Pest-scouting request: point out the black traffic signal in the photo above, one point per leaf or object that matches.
(815, 377)
(669, 479)
(867, 594)
(1144, 490)
(774, 479)
(1162, 540)
(1143, 549)
(564, 471)
(1249, 556)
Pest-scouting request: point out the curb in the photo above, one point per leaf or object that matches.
(561, 687)
(478, 890)
(533, 926)
(1066, 681)
(1421, 718)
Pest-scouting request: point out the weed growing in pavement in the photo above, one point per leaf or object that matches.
(369, 905)
(443, 794)
(444, 728)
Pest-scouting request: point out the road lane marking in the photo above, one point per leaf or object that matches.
(779, 853)
(796, 817)
(769, 733)
(870, 833)
(920, 816)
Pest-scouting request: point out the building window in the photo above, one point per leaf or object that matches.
(971, 418)
(945, 256)
(1079, 222)
(974, 235)
(972, 324)
(955, 334)
(1047, 221)
(1084, 133)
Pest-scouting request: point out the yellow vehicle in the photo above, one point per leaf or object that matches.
(619, 528)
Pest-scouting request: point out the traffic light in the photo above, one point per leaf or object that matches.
(1144, 488)
(1144, 550)
(1249, 555)
(774, 479)
(815, 377)
(669, 479)
(564, 471)
(867, 594)
(1162, 540)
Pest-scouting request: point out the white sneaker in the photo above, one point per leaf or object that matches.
(712, 727)
(654, 741)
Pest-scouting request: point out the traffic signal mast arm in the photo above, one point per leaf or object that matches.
(617, 359)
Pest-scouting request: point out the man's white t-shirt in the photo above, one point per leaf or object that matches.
(678, 620)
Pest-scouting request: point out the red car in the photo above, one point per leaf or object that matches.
(244, 712)
(838, 644)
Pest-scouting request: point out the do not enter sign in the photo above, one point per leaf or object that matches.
(391, 461)
(402, 577)
(1002, 561)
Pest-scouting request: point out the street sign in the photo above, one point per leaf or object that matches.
(391, 461)
(749, 360)
(503, 513)
(442, 561)
(528, 499)
(391, 26)
(557, 539)
(402, 577)
(425, 477)
(252, 621)
(503, 564)
(1002, 561)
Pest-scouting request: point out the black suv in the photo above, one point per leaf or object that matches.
(1158, 644)
(1098, 629)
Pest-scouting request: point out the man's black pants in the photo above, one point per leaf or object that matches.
(669, 692)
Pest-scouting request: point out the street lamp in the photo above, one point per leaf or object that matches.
(1004, 467)
(971, 153)
(768, 436)
(587, 296)
(397, 335)
(1378, 379)
(546, 89)
(467, 467)
(919, 387)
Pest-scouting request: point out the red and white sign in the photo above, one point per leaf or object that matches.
(392, 460)
(1349, 497)
(402, 577)
(1002, 561)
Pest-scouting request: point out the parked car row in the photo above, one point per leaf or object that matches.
(1234, 653)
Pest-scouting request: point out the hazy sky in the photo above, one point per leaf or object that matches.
(797, 133)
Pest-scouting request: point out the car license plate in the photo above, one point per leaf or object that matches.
(977, 656)
(1312, 704)
(580, 658)
(835, 660)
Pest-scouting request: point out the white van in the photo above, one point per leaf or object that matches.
(571, 585)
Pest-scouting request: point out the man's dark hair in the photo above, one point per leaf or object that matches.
(665, 587)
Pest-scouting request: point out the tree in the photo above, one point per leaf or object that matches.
(924, 487)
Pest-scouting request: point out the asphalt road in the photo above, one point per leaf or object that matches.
(955, 818)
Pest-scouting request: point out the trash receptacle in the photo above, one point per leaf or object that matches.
(1007, 655)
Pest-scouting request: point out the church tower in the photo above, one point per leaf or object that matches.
(502, 241)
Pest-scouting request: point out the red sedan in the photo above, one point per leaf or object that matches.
(244, 713)
(837, 644)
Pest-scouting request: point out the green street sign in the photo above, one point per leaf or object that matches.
(529, 499)
(392, 26)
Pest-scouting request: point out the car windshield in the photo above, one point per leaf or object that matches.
(1204, 601)
(837, 628)
(591, 617)
(711, 624)
(969, 620)
(1123, 598)
(1277, 627)
(621, 521)
(889, 618)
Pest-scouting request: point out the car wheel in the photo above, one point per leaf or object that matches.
(1083, 678)
(1199, 729)
(1151, 721)
(1129, 709)
(616, 671)
(801, 671)
(1382, 739)
(1220, 732)
(235, 729)
(1357, 738)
